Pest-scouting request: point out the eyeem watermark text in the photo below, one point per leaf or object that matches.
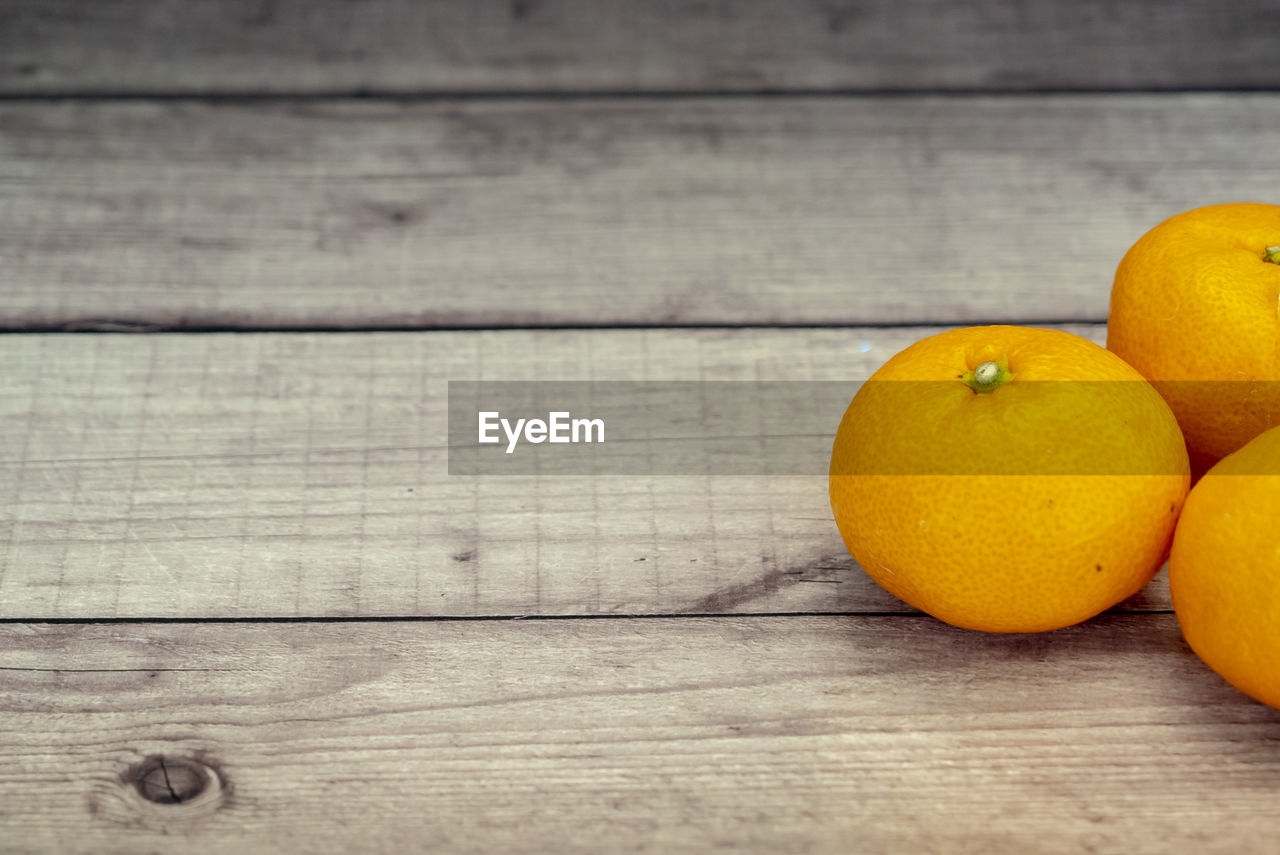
(558, 427)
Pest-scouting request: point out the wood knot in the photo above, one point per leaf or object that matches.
(169, 790)
(174, 780)
(170, 780)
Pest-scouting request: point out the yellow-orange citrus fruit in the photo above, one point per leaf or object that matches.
(1194, 309)
(1224, 571)
(1008, 479)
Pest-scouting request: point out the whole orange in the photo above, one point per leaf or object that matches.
(1194, 309)
(1008, 479)
(1224, 571)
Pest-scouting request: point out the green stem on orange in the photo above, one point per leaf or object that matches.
(1272, 254)
(987, 377)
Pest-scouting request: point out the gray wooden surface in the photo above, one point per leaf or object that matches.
(797, 734)
(812, 211)
(381, 46)
(245, 609)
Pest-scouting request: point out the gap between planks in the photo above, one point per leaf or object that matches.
(110, 327)
(309, 619)
(432, 96)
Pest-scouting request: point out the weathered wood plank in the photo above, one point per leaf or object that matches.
(292, 46)
(305, 475)
(796, 734)
(603, 212)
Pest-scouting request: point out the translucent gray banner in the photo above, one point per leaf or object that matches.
(643, 428)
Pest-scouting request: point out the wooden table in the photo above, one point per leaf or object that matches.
(245, 246)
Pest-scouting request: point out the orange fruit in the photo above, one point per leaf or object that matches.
(1194, 309)
(1224, 571)
(1008, 479)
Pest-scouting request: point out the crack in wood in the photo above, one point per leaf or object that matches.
(733, 596)
(167, 783)
(119, 670)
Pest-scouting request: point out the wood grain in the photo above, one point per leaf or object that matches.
(305, 475)
(363, 214)
(381, 46)
(799, 734)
